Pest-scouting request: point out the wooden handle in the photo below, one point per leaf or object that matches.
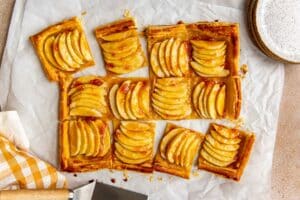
(59, 194)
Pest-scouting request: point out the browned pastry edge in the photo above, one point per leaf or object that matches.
(78, 163)
(51, 72)
(162, 165)
(243, 157)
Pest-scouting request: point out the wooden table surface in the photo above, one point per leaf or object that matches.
(286, 162)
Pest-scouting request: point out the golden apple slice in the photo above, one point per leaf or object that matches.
(120, 46)
(148, 147)
(88, 88)
(85, 112)
(174, 58)
(134, 101)
(131, 161)
(166, 106)
(49, 52)
(186, 145)
(136, 135)
(220, 146)
(144, 99)
(224, 140)
(123, 139)
(135, 126)
(119, 36)
(127, 103)
(211, 101)
(207, 91)
(178, 150)
(174, 95)
(112, 57)
(90, 139)
(85, 96)
(173, 146)
(170, 88)
(155, 66)
(225, 132)
(75, 43)
(57, 56)
(89, 79)
(167, 138)
(209, 72)
(83, 136)
(169, 101)
(97, 141)
(195, 98)
(181, 111)
(190, 154)
(196, 54)
(121, 97)
(168, 50)
(213, 160)
(161, 58)
(183, 58)
(63, 50)
(212, 52)
(134, 155)
(220, 100)
(200, 104)
(74, 138)
(208, 44)
(128, 66)
(174, 81)
(229, 154)
(75, 57)
(84, 48)
(112, 100)
(104, 137)
(216, 62)
(221, 157)
(86, 103)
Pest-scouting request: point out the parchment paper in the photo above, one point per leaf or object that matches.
(24, 87)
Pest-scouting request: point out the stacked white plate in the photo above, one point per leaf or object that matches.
(275, 28)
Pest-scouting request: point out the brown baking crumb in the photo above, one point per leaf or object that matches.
(110, 170)
(125, 175)
(75, 175)
(244, 69)
(113, 180)
(125, 179)
(216, 20)
(151, 178)
(126, 13)
(239, 122)
(195, 173)
(159, 178)
(83, 13)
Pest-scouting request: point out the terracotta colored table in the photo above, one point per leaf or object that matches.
(286, 163)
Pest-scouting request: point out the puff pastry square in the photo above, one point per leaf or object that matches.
(170, 98)
(177, 150)
(216, 99)
(129, 99)
(83, 97)
(63, 49)
(215, 48)
(85, 145)
(133, 146)
(225, 151)
(168, 51)
(121, 47)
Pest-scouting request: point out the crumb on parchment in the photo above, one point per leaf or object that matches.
(195, 173)
(83, 13)
(151, 178)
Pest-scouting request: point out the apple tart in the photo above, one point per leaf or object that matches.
(177, 150)
(133, 146)
(83, 97)
(215, 48)
(168, 49)
(121, 47)
(85, 145)
(130, 99)
(226, 151)
(170, 98)
(63, 48)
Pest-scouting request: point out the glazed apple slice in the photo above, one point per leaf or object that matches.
(72, 51)
(83, 137)
(134, 101)
(168, 51)
(212, 45)
(224, 140)
(135, 126)
(196, 93)
(90, 139)
(190, 154)
(222, 158)
(75, 37)
(120, 47)
(183, 58)
(186, 145)
(225, 132)
(88, 88)
(133, 155)
(167, 138)
(86, 103)
(123, 139)
(220, 100)
(128, 103)
(174, 145)
(216, 62)
(209, 72)
(112, 100)
(166, 100)
(64, 52)
(220, 146)
(144, 99)
(174, 58)
(228, 154)
(97, 141)
(85, 112)
(113, 57)
(136, 135)
(161, 58)
(74, 138)
(211, 101)
(104, 138)
(48, 51)
(121, 98)
(131, 161)
(214, 161)
(119, 36)
(84, 48)
(207, 91)
(167, 94)
(155, 66)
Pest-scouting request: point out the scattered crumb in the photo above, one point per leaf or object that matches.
(127, 13)
(151, 178)
(244, 70)
(195, 173)
(110, 170)
(239, 122)
(125, 175)
(159, 178)
(75, 175)
(216, 20)
(83, 13)
(113, 180)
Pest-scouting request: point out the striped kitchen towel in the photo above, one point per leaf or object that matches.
(20, 170)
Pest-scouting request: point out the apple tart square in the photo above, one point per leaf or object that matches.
(85, 145)
(121, 47)
(170, 98)
(85, 96)
(129, 99)
(133, 146)
(168, 51)
(63, 48)
(177, 150)
(215, 48)
(226, 151)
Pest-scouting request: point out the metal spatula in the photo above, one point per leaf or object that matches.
(91, 191)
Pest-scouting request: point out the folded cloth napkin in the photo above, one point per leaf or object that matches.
(18, 168)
